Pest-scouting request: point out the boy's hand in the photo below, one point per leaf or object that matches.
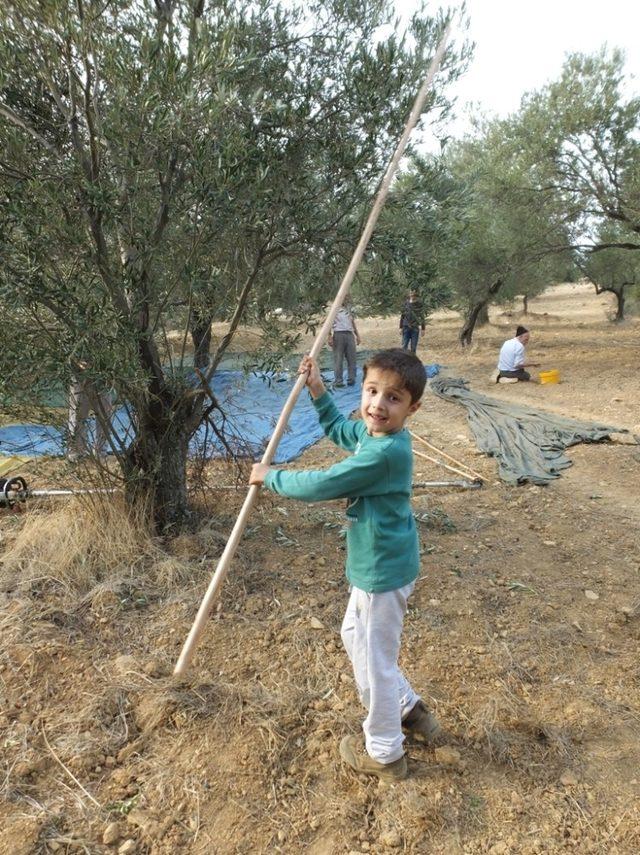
(258, 473)
(310, 367)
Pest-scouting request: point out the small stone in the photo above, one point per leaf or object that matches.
(315, 623)
(448, 756)
(568, 779)
(154, 668)
(127, 847)
(127, 750)
(549, 543)
(391, 838)
(140, 819)
(125, 664)
(111, 834)
(591, 595)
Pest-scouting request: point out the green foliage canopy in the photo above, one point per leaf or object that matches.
(167, 164)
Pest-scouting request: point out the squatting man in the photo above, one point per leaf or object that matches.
(511, 361)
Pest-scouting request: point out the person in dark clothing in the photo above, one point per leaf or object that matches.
(412, 321)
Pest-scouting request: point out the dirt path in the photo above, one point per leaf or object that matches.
(524, 633)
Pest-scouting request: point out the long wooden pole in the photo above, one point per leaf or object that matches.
(440, 463)
(445, 455)
(225, 559)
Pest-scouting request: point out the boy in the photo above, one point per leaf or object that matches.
(382, 547)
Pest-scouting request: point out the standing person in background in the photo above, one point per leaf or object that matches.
(412, 321)
(344, 338)
(84, 398)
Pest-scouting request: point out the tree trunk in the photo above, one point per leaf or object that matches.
(483, 316)
(201, 335)
(619, 295)
(466, 333)
(525, 305)
(155, 465)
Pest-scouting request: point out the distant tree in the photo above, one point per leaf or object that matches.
(503, 239)
(404, 250)
(581, 135)
(612, 270)
(166, 164)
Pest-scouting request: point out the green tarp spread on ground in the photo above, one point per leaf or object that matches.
(529, 444)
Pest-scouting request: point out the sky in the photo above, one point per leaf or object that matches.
(522, 44)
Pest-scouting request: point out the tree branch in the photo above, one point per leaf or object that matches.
(237, 315)
(18, 122)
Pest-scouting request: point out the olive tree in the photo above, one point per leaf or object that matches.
(581, 134)
(406, 246)
(612, 270)
(503, 238)
(170, 163)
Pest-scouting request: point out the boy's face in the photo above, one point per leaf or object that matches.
(385, 403)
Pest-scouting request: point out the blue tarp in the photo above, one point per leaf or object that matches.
(251, 403)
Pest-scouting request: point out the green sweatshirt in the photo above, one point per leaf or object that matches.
(382, 541)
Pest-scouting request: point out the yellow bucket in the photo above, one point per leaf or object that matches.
(552, 376)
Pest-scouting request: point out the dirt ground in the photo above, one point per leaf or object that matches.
(523, 634)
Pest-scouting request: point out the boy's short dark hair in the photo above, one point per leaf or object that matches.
(403, 363)
(521, 331)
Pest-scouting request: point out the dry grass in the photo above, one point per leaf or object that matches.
(95, 553)
(76, 546)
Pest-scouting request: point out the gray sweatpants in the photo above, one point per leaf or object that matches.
(371, 633)
(344, 345)
(83, 399)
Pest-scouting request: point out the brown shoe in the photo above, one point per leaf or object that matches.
(420, 722)
(353, 753)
